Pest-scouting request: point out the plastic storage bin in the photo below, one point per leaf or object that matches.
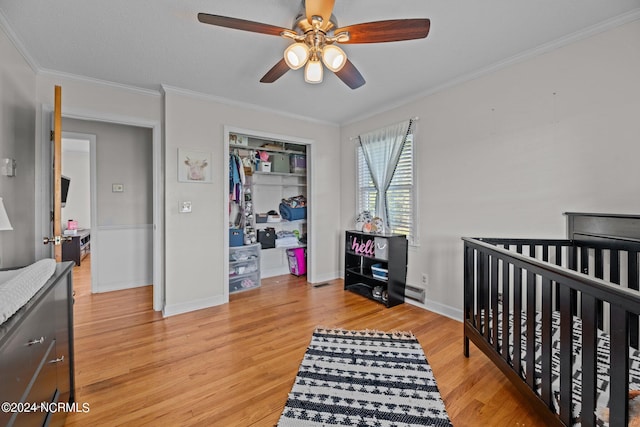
(379, 272)
(265, 166)
(297, 261)
(298, 163)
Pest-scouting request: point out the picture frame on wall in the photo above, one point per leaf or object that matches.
(194, 166)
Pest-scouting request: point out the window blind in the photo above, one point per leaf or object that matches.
(400, 195)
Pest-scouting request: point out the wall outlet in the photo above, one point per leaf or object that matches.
(425, 279)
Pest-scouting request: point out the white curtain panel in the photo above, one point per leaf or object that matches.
(381, 149)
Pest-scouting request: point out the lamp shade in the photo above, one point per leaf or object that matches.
(4, 219)
(296, 55)
(334, 57)
(313, 71)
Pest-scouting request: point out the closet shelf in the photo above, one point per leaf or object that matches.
(284, 221)
(265, 184)
(299, 175)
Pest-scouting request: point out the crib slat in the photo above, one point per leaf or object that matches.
(573, 265)
(517, 319)
(614, 266)
(494, 302)
(599, 273)
(599, 263)
(479, 289)
(506, 295)
(632, 274)
(565, 354)
(547, 296)
(484, 295)
(589, 359)
(531, 330)
(633, 270)
(618, 397)
(584, 260)
(468, 293)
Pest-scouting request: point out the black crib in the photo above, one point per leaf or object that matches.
(553, 298)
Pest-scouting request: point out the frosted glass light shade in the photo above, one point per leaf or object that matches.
(4, 219)
(313, 72)
(296, 55)
(334, 58)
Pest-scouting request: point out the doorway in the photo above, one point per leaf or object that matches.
(122, 235)
(79, 201)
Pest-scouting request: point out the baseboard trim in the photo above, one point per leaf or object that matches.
(444, 310)
(185, 307)
(119, 286)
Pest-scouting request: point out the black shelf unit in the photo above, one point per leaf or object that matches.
(363, 250)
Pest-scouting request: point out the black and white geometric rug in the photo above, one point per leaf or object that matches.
(364, 378)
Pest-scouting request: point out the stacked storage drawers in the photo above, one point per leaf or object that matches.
(244, 268)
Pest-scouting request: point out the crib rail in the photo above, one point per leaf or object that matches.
(590, 280)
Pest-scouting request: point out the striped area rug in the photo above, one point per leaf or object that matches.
(364, 378)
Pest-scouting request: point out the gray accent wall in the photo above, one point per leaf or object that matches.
(17, 135)
(124, 156)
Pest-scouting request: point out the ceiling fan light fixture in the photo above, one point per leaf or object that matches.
(296, 55)
(313, 71)
(334, 58)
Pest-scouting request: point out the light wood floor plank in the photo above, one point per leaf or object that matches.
(233, 365)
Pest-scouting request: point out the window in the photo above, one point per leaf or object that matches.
(401, 202)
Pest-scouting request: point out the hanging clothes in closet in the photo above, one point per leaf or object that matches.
(236, 177)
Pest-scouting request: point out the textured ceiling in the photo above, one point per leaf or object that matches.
(147, 44)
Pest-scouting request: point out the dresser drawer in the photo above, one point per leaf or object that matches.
(21, 354)
(42, 390)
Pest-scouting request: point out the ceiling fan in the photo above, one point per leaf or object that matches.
(315, 34)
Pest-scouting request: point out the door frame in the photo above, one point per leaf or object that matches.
(43, 184)
(310, 144)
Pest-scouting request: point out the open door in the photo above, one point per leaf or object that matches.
(56, 209)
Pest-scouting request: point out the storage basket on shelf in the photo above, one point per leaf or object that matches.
(379, 272)
(267, 238)
(236, 237)
(291, 214)
(279, 162)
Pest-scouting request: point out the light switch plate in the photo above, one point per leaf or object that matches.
(117, 188)
(185, 207)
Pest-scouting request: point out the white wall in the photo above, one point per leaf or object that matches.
(502, 155)
(17, 117)
(195, 241)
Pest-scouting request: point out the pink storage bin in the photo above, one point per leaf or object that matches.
(297, 261)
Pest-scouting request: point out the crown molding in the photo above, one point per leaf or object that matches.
(234, 103)
(6, 28)
(91, 80)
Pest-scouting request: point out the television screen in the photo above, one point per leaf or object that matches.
(65, 181)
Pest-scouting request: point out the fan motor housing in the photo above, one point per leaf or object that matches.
(301, 23)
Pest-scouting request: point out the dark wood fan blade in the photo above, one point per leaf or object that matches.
(350, 75)
(240, 24)
(323, 8)
(393, 30)
(275, 72)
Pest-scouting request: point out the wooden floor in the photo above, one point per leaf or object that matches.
(234, 364)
